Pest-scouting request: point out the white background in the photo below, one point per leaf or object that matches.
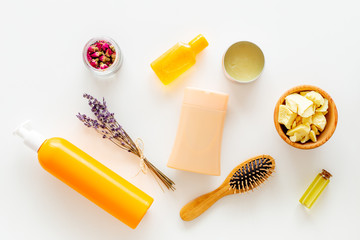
(43, 79)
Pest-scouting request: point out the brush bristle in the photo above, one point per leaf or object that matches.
(251, 174)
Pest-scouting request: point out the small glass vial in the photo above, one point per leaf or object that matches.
(108, 62)
(315, 189)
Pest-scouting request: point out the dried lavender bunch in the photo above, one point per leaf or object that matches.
(109, 128)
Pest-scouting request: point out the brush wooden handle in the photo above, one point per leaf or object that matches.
(199, 205)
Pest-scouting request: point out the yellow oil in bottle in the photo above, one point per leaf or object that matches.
(315, 189)
(178, 59)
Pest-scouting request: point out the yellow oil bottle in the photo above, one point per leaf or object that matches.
(178, 59)
(315, 189)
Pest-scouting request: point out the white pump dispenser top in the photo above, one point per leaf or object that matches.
(32, 139)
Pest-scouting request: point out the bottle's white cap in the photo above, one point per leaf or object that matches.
(32, 139)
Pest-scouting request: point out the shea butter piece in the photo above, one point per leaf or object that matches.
(308, 112)
(291, 104)
(300, 105)
(286, 116)
(312, 136)
(323, 107)
(303, 93)
(301, 131)
(296, 137)
(315, 97)
(306, 138)
(319, 121)
(307, 121)
(315, 129)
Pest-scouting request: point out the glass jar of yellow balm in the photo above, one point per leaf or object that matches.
(243, 62)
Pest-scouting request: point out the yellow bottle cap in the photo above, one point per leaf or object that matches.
(199, 43)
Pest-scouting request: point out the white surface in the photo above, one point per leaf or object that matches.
(43, 78)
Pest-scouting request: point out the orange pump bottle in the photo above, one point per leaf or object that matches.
(178, 59)
(88, 177)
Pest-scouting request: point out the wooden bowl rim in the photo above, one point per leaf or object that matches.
(332, 126)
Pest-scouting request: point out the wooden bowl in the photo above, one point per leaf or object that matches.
(331, 118)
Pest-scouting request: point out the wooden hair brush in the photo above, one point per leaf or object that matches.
(246, 176)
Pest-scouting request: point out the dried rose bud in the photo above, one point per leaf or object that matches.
(94, 63)
(103, 58)
(98, 44)
(101, 54)
(96, 54)
(103, 66)
(93, 48)
(105, 46)
(108, 52)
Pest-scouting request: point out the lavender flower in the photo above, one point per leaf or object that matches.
(109, 128)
